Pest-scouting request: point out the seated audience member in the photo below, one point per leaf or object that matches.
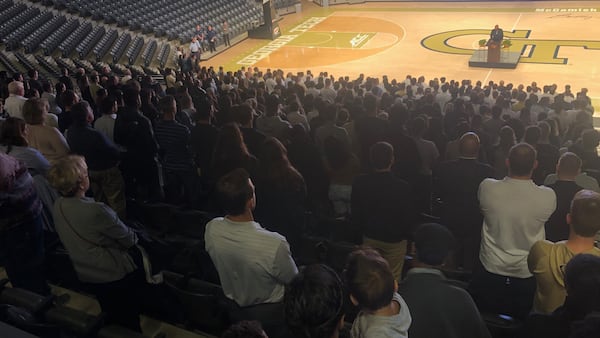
(245, 329)
(437, 308)
(47, 140)
(546, 259)
(101, 156)
(382, 206)
(314, 303)
(13, 142)
(582, 282)
(254, 264)
(176, 159)
(281, 191)
(97, 242)
(373, 289)
(514, 212)
(21, 234)
(567, 169)
(456, 183)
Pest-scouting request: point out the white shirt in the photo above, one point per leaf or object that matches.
(106, 125)
(254, 264)
(514, 214)
(14, 105)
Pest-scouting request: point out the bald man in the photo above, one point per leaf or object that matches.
(456, 183)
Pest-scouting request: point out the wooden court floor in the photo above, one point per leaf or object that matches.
(559, 41)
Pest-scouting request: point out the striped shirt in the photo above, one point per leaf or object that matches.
(254, 264)
(173, 139)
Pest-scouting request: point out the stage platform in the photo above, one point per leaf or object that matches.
(508, 60)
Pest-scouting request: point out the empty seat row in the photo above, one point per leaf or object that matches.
(11, 12)
(7, 63)
(163, 54)
(50, 68)
(23, 60)
(17, 21)
(103, 46)
(134, 49)
(58, 36)
(69, 44)
(14, 38)
(149, 52)
(32, 42)
(120, 46)
(85, 47)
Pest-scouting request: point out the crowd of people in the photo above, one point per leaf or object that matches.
(510, 173)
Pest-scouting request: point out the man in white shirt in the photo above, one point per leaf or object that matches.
(254, 264)
(328, 93)
(15, 101)
(515, 211)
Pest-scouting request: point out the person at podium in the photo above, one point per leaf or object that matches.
(496, 35)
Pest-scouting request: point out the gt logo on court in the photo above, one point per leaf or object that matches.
(541, 51)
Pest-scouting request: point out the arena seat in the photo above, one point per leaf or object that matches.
(85, 46)
(149, 52)
(69, 44)
(120, 46)
(134, 49)
(101, 48)
(58, 36)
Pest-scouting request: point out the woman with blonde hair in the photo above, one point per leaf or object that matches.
(48, 140)
(97, 242)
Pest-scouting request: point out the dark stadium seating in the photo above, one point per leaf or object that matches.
(149, 52)
(120, 46)
(163, 54)
(58, 36)
(71, 42)
(85, 46)
(103, 46)
(134, 49)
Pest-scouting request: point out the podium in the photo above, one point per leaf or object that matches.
(493, 55)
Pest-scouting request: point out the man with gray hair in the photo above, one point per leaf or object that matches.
(15, 101)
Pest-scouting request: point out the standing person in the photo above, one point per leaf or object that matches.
(21, 235)
(195, 46)
(101, 156)
(97, 242)
(382, 206)
(497, 34)
(514, 213)
(173, 139)
(438, 308)
(547, 260)
(211, 36)
(225, 30)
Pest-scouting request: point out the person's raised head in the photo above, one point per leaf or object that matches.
(584, 216)
(16, 88)
(82, 113)
(245, 329)
(469, 145)
(314, 303)
(381, 155)
(569, 166)
(131, 97)
(236, 192)
(433, 243)
(521, 160)
(12, 132)
(369, 279)
(69, 98)
(108, 105)
(34, 111)
(582, 281)
(532, 135)
(69, 176)
(168, 107)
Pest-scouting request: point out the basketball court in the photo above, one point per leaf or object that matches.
(559, 41)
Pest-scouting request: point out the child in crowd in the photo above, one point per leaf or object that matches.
(373, 288)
